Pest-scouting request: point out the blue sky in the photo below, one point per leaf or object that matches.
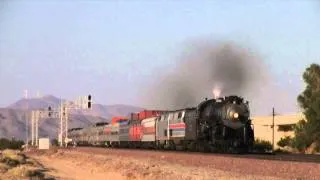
(110, 48)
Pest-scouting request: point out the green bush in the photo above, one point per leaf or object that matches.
(10, 144)
(262, 145)
(303, 138)
(283, 142)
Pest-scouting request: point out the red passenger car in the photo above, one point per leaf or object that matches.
(134, 131)
(135, 128)
(145, 114)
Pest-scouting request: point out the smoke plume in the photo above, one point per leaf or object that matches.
(205, 67)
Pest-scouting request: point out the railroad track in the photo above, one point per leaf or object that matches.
(261, 156)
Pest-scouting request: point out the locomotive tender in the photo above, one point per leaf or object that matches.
(215, 125)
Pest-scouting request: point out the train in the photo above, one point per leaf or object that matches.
(215, 125)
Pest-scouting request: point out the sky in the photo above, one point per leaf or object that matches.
(111, 48)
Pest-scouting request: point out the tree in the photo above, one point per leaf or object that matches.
(308, 131)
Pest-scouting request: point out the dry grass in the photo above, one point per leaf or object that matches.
(21, 171)
(15, 165)
(4, 168)
(13, 156)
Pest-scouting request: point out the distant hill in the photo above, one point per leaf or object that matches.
(13, 121)
(35, 103)
(98, 110)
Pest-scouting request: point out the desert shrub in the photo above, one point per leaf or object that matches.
(283, 142)
(262, 145)
(55, 142)
(12, 157)
(25, 171)
(15, 165)
(10, 144)
(31, 162)
(4, 143)
(4, 167)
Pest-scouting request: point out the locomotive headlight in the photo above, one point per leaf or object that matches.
(235, 115)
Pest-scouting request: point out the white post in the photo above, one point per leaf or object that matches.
(26, 117)
(66, 135)
(32, 127)
(61, 124)
(37, 127)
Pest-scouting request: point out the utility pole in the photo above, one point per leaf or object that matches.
(273, 114)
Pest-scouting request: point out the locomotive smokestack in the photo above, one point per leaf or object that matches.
(216, 93)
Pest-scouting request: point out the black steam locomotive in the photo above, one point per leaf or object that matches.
(225, 125)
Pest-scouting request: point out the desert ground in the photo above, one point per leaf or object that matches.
(104, 164)
(77, 165)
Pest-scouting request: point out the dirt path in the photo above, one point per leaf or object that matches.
(70, 170)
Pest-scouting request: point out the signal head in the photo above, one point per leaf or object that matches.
(49, 111)
(89, 101)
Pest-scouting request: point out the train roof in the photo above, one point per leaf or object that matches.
(101, 124)
(74, 129)
(171, 111)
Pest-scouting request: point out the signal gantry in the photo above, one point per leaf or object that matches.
(61, 112)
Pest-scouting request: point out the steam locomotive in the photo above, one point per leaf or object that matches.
(215, 125)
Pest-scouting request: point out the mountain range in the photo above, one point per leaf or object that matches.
(14, 117)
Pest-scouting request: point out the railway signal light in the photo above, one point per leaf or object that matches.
(89, 101)
(49, 111)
